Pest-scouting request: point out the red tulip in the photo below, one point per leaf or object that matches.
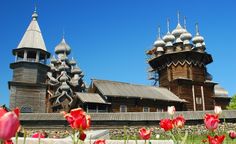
(78, 119)
(38, 135)
(179, 122)
(216, 139)
(100, 141)
(166, 124)
(211, 121)
(144, 134)
(232, 134)
(8, 142)
(9, 123)
(82, 136)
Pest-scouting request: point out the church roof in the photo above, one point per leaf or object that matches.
(91, 98)
(121, 89)
(220, 92)
(33, 37)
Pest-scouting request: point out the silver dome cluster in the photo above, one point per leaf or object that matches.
(180, 39)
(64, 76)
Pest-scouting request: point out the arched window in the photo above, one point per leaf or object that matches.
(26, 109)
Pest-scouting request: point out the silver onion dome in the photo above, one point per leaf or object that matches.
(178, 31)
(168, 38)
(64, 86)
(159, 42)
(72, 62)
(76, 70)
(62, 47)
(160, 49)
(198, 40)
(53, 60)
(186, 36)
(63, 78)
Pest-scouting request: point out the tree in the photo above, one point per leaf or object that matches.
(232, 104)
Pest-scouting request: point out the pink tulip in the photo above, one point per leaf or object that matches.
(8, 142)
(9, 123)
(232, 134)
(211, 121)
(145, 134)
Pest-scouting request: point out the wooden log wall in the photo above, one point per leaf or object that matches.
(137, 104)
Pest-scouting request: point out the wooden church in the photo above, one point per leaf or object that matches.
(178, 62)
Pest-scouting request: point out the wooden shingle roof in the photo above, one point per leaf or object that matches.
(91, 98)
(121, 89)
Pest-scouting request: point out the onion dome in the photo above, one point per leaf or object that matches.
(204, 45)
(168, 38)
(64, 86)
(53, 60)
(186, 36)
(76, 70)
(159, 43)
(63, 78)
(62, 47)
(61, 67)
(62, 57)
(198, 40)
(72, 62)
(178, 31)
(52, 67)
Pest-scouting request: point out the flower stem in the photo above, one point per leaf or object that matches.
(173, 137)
(25, 135)
(16, 137)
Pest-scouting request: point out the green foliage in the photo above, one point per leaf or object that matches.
(232, 104)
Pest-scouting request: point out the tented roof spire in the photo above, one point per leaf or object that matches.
(33, 37)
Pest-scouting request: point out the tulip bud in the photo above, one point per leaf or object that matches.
(218, 110)
(9, 123)
(171, 110)
(232, 134)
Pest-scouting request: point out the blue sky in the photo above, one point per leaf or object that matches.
(109, 37)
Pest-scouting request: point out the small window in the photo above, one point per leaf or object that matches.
(146, 109)
(198, 100)
(123, 108)
(26, 109)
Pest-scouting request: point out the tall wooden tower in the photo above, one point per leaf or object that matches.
(180, 62)
(28, 86)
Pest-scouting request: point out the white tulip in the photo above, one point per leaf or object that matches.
(218, 110)
(171, 110)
